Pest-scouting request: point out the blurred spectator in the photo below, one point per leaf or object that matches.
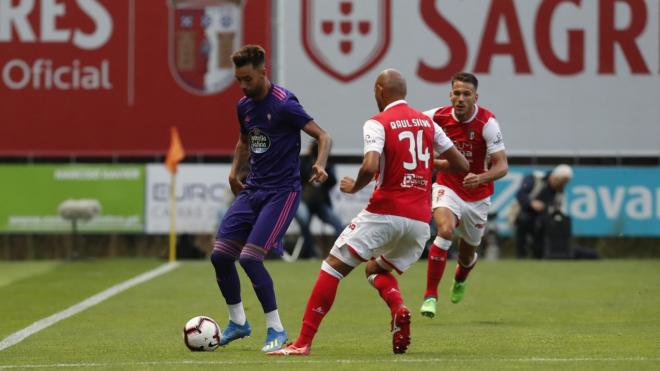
(540, 201)
(315, 201)
(187, 249)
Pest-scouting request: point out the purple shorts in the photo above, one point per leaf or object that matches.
(260, 218)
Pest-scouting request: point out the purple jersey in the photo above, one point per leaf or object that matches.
(273, 126)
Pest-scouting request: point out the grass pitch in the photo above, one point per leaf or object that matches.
(516, 315)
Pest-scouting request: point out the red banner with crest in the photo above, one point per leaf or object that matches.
(110, 77)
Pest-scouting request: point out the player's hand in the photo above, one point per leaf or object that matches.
(537, 205)
(346, 184)
(471, 181)
(236, 185)
(319, 175)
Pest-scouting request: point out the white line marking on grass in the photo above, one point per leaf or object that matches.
(19, 335)
(307, 360)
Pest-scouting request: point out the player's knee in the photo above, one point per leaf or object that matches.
(220, 259)
(446, 231)
(373, 267)
(251, 254)
(225, 250)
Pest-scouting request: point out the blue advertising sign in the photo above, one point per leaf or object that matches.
(602, 201)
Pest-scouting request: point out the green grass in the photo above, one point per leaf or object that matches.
(516, 315)
(10, 272)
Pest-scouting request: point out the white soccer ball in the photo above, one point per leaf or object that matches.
(202, 334)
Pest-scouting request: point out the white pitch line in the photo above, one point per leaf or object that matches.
(19, 335)
(307, 360)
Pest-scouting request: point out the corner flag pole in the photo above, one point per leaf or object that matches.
(174, 155)
(172, 218)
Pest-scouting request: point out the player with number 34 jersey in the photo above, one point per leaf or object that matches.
(400, 144)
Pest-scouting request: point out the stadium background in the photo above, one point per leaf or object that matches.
(90, 89)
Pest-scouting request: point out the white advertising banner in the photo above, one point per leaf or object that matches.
(564, 77)
(203, 196)
(202, 193)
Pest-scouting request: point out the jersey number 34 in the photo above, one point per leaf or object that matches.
(416, 148)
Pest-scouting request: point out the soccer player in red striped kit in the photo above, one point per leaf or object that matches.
(390, 234)
(461, 200)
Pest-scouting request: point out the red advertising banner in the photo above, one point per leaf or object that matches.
(110, 77)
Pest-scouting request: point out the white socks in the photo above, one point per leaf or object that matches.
(237, 313)
(273, 320)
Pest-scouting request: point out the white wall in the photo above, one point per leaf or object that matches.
(541, 112)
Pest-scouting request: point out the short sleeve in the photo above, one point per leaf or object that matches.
(374, 136)
(441, 142)
(294, 113)
(493, 136)
(430, 113)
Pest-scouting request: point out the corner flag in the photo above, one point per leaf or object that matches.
(175, 153)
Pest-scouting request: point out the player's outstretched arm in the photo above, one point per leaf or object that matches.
(239, 162)
(365, 174)
(325, 142)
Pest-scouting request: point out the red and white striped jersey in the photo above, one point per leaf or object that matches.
(407, 141)
(477, 138)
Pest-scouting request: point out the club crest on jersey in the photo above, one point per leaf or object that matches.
(471, 134)
(202, 36)
(259, 141)
(346, 38)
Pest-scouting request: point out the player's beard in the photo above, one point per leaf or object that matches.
(255, 91)
(249, 93)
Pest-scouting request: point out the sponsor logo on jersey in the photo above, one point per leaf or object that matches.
(202, 36)
(414, 180)
(346, 38)
(498, 139)
(259, 141)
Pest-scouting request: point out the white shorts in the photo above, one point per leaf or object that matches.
(394, 241)
(472, 216)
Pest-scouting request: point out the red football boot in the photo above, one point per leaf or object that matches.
(291, 350)
(401, 330)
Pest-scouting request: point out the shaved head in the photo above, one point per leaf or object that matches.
(390, 86)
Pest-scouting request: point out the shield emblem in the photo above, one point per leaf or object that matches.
(202, 36)
(346, 38)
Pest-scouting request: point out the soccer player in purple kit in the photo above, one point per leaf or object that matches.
(271, 119)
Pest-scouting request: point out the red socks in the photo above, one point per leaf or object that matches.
(437, 260)
(318, 305)
(388, 288)
(462, 272)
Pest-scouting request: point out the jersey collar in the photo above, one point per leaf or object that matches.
(395, 103)
(476, 110)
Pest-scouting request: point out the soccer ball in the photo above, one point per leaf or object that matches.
(202, 334)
